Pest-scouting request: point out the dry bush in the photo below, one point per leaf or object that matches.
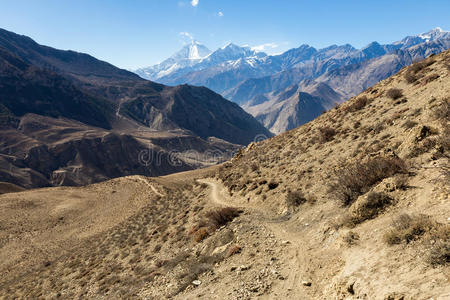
(394, 93)
(351, 238)
(367, 209)
(326, 134)
(221, 216)
(273, 185)
(371, 206)
(295, 198)
(442, 110)
(200, 233)
(419, 66)
(235, 249)
(408, 124)
(406, 228)
(410, 76)
(358, 104)
(430, 78)
(357, 178)
(440, 248)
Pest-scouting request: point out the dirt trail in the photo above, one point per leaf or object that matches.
(293, 244)
(151, 186)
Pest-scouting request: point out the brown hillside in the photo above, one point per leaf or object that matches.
(353, 205)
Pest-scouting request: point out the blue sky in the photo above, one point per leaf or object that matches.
(138, 33)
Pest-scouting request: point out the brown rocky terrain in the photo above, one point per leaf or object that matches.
(67, 118)
(353, 205)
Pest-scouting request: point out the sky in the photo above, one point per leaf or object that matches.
(139, 33)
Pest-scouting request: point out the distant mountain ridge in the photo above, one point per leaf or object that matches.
(252, 77)
(67, 118)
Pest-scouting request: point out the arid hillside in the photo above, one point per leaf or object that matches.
(353, 205)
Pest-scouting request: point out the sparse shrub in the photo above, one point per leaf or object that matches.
(394, 93)
(430, 78)
(368, 208)
(235, 249)
(440, 248)
(200, 234)
(442, 110)
(272, 185)
(295, 198)
(326, 134)
(406, 228)
(371, 206)
(221, 216)
(410, 76)
(408, 124)
(356, 179)
(358, 104)
(351, 238)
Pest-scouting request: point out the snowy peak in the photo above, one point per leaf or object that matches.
(191, 51)
(233, 52)
(432, 35)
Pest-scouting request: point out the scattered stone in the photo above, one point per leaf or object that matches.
(196, 282)
(243, 268)
(306, 283)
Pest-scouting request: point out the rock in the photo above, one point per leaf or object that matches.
(306, 283)
(196, 282)
(243, 268)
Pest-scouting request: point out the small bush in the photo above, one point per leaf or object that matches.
(356, 179)
(442, 110)
(326, 134)
(358, 104)
(272, 185)
(351, 238)
(220, 217)
(410, 76)
(371, 206)
(408, 124)
(406, 228)
(200, 234)
(430, 78)
(394, 94)
(295, 198)
(235, 249)
(440, 248)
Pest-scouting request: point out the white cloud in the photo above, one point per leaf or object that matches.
(265, 47)
(194, 3)
(186, 37)
(220, 14)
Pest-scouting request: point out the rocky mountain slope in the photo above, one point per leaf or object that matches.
(346, 70)
(68, 118)
(352, 205)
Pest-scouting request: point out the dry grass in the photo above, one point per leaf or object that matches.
(221, 216)
(235, 249)
(394, 93)
(295, 199)
(351, 238)
(440, 248)
(326, 134)
(356, 179)
(357, 104)
(406, 228)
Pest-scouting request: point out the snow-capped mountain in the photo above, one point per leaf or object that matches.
(195, 57)
(189, 55)
(430, 36)
(248, 77)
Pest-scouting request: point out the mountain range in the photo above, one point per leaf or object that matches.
(329, 75)
(68, 118)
